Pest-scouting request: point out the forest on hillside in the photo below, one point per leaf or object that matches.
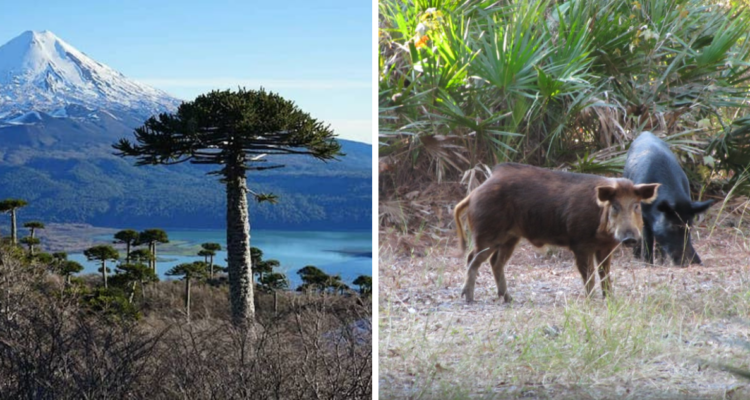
(107, 191)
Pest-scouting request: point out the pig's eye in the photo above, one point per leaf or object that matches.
(615, 208)
(637, 207)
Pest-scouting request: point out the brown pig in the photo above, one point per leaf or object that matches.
(591, 215)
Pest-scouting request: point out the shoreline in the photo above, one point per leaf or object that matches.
(76, 237)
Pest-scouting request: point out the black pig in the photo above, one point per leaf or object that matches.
(669, 218)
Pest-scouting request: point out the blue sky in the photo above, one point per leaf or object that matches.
(317, 53)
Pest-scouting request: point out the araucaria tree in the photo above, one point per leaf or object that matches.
(68, 268)
(209, 251)
(10, 206)
(197, 270)
(102, 253)
(137, 273)
(236, 130)
(129, 237)
(365, 284)
(32, 240)
(262, 267)
(151, 237)
(32, 226)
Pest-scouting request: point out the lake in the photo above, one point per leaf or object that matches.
(346, 253)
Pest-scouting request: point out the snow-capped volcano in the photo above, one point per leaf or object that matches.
(39, 72)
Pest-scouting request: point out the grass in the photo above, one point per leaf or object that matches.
(663, 334)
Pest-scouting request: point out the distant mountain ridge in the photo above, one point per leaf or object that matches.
(60, 113)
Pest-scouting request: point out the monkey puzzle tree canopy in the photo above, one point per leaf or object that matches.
(129, 237)
(196, 270)
(151, 237)
(33, 226)
(365, 284)
(209, 251)
(102, 253)
(68, 268)
(31, 242)
(235, 130)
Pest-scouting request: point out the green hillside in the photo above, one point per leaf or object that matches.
(108, 191)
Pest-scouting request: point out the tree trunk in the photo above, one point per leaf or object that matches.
(132, 293)
(212, 267)
(13, 226)
(127, 252)
(104, 272)
(153, 256)
(275, 302)
(187, 297)
(238, 249)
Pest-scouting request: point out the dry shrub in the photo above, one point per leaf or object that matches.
(303, 353)
(53, 348)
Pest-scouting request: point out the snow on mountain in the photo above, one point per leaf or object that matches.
(40, 72)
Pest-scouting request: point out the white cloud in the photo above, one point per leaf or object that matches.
(254, 83)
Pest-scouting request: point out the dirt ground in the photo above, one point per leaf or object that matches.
(667, 332)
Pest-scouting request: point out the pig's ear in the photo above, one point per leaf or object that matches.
(604, 194)
(647, 191)
(701, 206)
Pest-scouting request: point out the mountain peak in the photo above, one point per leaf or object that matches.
(41, 72)
(44, 34)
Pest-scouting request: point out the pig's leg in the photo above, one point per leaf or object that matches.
(474, 260)
(585, 264)
(603, 259)
(648, 243)
(498, 261)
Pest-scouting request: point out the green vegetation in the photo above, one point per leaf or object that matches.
(235, 130)
(64, 267)
(134, 275)
(33, 226)
(116, 295)
(365, 284)
(102, 253)
(561, 84)
(32, 240)
(113, 192)
(262, 268)
(129, 237)
(152, 237)
(209, 251)
(10, 206)
(314, 279)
